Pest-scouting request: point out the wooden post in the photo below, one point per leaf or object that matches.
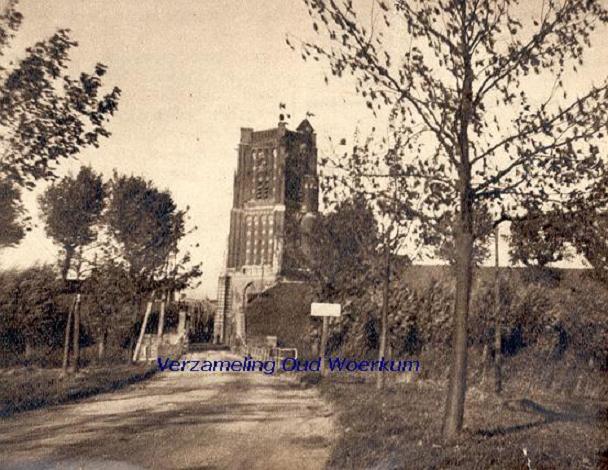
(323, 346)
(101, 345)
(497, 322)
(181, 324)
(143, 328)
(161, 317)
(484, 360)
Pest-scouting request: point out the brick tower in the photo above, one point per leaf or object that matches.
(275, 189)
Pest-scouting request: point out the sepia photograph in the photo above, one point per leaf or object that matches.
(303, 234)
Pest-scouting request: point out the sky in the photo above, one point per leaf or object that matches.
(192, 73)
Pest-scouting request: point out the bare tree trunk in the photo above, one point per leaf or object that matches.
(76, 337)
(137, 304)
(454, 410)
(384, 315)
(143, 328)
(497, 324)
(66, 339)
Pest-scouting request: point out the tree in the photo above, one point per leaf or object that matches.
(461, 79)
(71, 212)
(109, 289)
(146, 223)
(45, 115)
(11, 214)
(442, 236)
(539, 239)
(148, 227)
(368, 176)
(337, 255)
(341, 243)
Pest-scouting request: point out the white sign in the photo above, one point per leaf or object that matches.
(325, 310)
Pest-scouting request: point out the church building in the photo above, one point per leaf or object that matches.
(275, 201)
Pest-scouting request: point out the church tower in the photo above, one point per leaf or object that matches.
(275, 187)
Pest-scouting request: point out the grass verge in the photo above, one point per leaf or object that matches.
(31, 387)
(400, 427)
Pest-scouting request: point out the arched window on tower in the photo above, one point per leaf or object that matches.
(262, 174)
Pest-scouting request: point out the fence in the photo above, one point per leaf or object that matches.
(265, 353)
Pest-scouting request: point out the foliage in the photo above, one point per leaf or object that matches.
(200, 321)
(539, 239)
(588, 230)
(110, 291)
(71, 211)
(146, 223)
(356, 333)
(45, 115)
(11, 214)
(514, 157)
(137, 234)
(343, 243)
(424, 318)
(30, 305)
(457, 66)
(443, 236)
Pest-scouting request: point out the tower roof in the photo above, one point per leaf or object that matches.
(305, 127)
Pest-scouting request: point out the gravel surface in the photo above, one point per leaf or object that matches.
(178, 420)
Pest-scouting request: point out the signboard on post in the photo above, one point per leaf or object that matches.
(325, 310)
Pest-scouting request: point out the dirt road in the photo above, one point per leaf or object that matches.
(177, 420)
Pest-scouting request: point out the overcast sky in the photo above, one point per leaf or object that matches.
(192, 73)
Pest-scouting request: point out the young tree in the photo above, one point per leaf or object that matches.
(390, 244)
(460, 72)
(71, 211)
(45, 115)
(368, 176)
